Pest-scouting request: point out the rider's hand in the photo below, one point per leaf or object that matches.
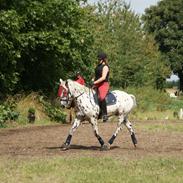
(91, 85)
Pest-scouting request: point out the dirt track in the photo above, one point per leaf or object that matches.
(46, 141)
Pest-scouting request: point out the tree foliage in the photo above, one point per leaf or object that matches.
(10, 25)
(133, 55)
(42, 41)
(166, 23)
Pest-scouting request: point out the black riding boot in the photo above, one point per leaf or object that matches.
(104, 110)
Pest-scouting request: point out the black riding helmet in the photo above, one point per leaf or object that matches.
(102, 56)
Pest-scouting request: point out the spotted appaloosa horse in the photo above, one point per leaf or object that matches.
(87, 109)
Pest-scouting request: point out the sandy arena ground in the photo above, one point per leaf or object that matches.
(44, 141)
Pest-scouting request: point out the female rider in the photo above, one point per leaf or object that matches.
(101, 82)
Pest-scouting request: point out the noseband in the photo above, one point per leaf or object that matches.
(69, 99)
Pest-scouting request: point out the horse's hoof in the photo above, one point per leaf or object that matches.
(134, 140)
(65, 147)
(105, 147)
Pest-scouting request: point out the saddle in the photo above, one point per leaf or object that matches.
(110, 99)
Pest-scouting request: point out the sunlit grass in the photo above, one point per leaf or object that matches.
(153, 115)
(30, 101)
(163, 126)
(91, 170)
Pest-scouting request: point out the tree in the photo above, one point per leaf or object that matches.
(133, 55)
(10, 25)
(48, 39)
(165, 22)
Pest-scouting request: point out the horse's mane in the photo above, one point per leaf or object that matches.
(79, 86)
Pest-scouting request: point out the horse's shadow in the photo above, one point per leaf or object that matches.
(81, 147)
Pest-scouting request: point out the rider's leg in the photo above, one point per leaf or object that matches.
(104, 110)
(102, 92)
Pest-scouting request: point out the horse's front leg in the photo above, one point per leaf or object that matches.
(75, 125)
(130, 129)
(93, 122)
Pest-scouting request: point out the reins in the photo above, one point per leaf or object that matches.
(79, 95)
(91, 91)
(91, 94)
(74, 98)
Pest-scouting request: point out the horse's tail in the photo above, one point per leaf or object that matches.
(134, 100)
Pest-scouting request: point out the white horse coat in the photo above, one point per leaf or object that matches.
(87, 109)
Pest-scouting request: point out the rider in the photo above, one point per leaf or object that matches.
(79, 79)
(101, 82)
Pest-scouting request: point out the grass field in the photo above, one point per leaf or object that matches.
(91, 170)
(162, 126)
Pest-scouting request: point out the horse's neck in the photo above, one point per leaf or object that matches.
(77, 89)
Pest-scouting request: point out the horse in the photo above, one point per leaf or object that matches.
(84, 101)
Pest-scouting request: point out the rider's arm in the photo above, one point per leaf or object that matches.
(104, 74)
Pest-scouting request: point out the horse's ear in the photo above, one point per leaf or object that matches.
(61, 81)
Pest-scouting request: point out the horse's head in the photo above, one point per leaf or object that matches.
(64, 94)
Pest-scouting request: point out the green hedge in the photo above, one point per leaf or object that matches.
(6, 114)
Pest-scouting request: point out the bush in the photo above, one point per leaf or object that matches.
(31, 110)
(149, 99)
(6, 113)
(54, 112)
(171, 84)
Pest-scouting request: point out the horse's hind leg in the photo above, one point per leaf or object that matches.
(96, 132)
(75, 125)
(132, 133)
(119, 127)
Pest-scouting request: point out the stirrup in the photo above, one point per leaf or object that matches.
(105, 118)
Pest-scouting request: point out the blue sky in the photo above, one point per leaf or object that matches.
(137, 5)
(173, 78)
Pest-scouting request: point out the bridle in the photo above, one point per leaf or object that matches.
(65, 94)
(74, 98)
(68, 96)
